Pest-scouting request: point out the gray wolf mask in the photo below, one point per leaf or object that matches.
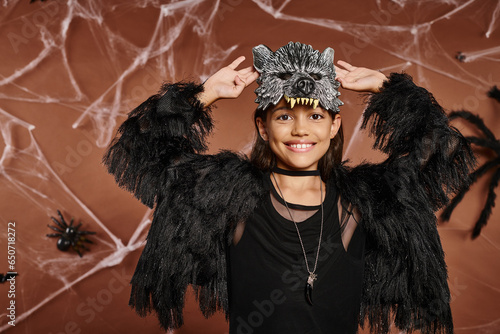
(298, 73)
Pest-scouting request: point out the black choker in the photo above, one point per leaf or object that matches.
(278, 170)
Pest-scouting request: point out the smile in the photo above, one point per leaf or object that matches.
(300, 147)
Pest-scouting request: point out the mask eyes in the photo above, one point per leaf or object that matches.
(284, 76)
(315, 76)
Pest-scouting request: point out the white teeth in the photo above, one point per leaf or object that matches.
(292, 102)
(287, 99)
(300, 145)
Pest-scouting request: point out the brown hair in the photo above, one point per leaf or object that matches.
(262, 156)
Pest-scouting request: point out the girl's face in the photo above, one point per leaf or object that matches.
(298, 137)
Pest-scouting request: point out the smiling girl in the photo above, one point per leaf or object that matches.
(291, 240)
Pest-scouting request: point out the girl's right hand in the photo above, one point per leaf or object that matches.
(227, 83)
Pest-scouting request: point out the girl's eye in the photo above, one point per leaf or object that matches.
(317, 116)
(284, 117)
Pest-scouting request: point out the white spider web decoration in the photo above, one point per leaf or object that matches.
(43, 39)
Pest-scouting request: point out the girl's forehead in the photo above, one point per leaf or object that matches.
(297, 113)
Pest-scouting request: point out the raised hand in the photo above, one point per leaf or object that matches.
(227, 83)
(359, 79)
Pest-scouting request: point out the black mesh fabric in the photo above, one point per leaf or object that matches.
(268, 272)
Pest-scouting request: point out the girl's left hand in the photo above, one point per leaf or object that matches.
(359, 79)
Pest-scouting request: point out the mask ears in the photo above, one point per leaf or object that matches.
(261, 55)
(261, 126)
(327, 56)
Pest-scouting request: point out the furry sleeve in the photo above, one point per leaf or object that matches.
(405, 272)
(156, 135)
(411, 127)
(198, 199)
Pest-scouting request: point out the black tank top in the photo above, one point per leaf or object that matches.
(268, 274)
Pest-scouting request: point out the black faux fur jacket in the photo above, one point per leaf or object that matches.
(198, 199)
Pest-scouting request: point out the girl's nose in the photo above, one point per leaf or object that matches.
(300, 127)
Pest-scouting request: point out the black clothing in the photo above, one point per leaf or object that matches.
(268, 274)
(199, 199)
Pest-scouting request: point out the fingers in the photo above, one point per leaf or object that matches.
(239, 82)
(251, 78)
(236, 62)
(248, 75)
(246, 70)
(246, 80)
(346, 65)
(340, 72)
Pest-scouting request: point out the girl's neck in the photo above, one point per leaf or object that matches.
(302, 173)
(300, 188)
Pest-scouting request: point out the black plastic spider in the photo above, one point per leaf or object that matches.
(490, 142)
(69, 235)
(460, 56)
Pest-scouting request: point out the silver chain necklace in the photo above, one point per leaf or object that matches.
(312, 276)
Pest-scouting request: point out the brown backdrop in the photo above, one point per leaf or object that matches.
(71, 70)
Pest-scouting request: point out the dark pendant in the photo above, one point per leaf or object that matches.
(309, 287)
(309, 293)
